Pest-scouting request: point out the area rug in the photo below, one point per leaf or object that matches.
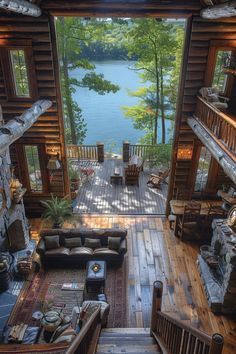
(45, 287)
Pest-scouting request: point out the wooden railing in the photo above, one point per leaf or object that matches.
(86, 340)
(218, 123)
(88, 152)
(147, 152)
(173, 336)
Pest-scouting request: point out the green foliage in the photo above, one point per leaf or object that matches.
(74, 173)
(56, 209)
(158, 50)
(162, 156)
(75, 33)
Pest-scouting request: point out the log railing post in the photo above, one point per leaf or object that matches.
(126, 146)
(100, 148)
(156, 304)
(217, 343)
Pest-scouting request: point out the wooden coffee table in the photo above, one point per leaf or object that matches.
(117, 176)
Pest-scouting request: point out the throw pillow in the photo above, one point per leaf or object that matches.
(114, 243)
(66, 336)
(92, 243)
(73, 242)
(52, 242)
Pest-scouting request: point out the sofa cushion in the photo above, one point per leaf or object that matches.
(61, 251)
(52, 242)
(73, 242)
(92, 243)
(81, 250)
(114, 243)
(66, 336)
(104, 250)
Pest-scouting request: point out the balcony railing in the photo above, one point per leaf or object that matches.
(86, 152)
(220, 125)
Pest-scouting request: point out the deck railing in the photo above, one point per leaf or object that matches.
(218, 123)
(88, 152)
(148, 152)
(173, 336)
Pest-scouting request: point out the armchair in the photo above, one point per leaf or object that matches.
(211, 95)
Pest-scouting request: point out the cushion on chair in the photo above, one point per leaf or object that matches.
(92, 243)
(81, 250)
(52, 242)
(61, 251)
(114, 243)
(73, 242)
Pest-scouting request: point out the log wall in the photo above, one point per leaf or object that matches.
(195, 71)
(48, 129)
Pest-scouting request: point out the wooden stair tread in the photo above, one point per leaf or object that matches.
(126, 340)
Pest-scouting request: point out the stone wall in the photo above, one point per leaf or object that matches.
(10, 212)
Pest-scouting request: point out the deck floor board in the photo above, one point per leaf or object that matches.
(100, 196)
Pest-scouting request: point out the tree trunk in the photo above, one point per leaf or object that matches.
(67, 98)
(157, 98)
(163, 126)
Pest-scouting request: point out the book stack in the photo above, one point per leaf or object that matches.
(24, 265)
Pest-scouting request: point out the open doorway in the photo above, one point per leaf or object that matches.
(119, 82)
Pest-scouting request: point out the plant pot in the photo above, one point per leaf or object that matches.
(57, 225)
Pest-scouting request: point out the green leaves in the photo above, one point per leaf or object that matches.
(56, 209)
(97, 83)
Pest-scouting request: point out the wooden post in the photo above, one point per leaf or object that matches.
(217, 343)
(100, 147)
(126, 145)
(156, 304)
(227, 9)
(21, 6)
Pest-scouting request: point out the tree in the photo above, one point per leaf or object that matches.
(72, 34)
(154, 42)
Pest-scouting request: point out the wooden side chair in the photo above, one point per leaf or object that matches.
(188, 226)
(214, 212)
(132, 175)
(156, 180)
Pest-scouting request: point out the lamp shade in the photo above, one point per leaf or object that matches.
(53, 164)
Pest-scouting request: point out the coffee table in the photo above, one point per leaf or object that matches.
(95, 277)
(117, 176)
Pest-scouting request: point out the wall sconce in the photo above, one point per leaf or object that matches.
(54, 163)
(185, 152)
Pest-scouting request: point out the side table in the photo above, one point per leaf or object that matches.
(95, 275)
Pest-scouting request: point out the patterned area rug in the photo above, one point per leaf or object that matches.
(45, 287)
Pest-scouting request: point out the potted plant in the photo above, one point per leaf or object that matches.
(74, 176)
(56, 209)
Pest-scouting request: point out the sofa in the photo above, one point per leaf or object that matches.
(61, 247)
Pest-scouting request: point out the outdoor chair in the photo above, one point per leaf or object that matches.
(156, 180)
(137, 160)
(211, 95)
(132, 175)
(188, 226)
(87, 171)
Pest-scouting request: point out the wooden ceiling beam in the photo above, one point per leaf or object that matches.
(21, 6)
(226, 9)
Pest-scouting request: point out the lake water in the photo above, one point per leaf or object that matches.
(103, 114)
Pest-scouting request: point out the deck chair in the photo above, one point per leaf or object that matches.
(132, 175)
(188, 226)
(156, 180)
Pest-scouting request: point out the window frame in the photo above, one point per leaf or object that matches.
(8, 72)
(215, 46)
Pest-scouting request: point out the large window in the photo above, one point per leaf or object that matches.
(220, 77)
(202, 170)
(34, 170)
(19, 71)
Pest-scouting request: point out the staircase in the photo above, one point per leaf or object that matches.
(126, 340)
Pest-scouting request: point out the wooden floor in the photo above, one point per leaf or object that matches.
(100, 196)
(154, 253)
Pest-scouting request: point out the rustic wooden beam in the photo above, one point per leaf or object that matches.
(225, 161)
(227, 9)
(21, 6)
(16, 127)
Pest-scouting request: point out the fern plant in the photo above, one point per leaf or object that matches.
(56, 210)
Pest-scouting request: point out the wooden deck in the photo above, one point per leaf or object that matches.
(154, 253)
(100, 196)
